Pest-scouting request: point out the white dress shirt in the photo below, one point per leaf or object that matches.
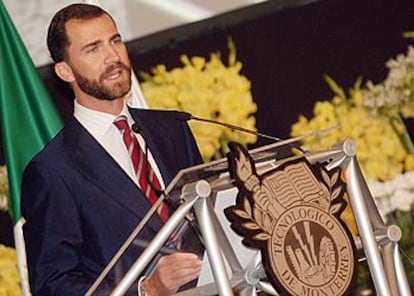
(100, 126)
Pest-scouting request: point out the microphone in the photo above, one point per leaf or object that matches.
(185, 116)
(135, 128)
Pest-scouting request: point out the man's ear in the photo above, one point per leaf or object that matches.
(64, 71)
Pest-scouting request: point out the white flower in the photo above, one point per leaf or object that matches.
(388, 188)
(396, 194)
(378, 189)
(384, 207)
(404, 181)
(402, 200)
(394, 95)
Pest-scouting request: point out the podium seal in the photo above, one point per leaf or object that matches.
(292, 214)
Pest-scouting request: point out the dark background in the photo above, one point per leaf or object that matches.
(286, 47)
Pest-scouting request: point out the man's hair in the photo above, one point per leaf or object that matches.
(57, 38)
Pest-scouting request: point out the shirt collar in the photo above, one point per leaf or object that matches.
(98, 123)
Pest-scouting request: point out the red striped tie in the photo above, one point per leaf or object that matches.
(147, 179)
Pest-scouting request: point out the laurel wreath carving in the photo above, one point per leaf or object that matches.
(249, 223)
(256, 219)
(286, 192)
(333, 184)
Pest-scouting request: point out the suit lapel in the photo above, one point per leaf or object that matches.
(101, 169)
(160, 133)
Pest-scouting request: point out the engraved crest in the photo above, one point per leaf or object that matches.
(292, 214)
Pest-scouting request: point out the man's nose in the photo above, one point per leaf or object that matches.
(111, 55)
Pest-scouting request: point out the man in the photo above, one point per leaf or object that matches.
(80, 196)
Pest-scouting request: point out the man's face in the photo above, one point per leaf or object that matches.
(98, 58)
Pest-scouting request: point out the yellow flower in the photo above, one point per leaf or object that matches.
(207, 89)
(9, 275)
(357, 97)
(380, 152)
(409, 162)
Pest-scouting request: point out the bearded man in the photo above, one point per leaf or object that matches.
(86, 191)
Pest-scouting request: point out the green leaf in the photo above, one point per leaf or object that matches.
(339, 91)
(400, 129)
(145, 76)
(357, 84)
(232, 51)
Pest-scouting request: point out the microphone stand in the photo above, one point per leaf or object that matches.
(187, 116)
(235, 127)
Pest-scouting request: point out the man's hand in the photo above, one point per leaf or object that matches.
(172, 272)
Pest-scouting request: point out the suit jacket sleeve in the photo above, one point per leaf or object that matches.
(53, 232)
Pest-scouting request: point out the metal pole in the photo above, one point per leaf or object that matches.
(153, 247)
(362, 219)
(203, 210)
(403, 285)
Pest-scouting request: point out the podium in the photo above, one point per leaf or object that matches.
(195, 188)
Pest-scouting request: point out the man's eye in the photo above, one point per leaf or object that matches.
(117, 41)
(91, 49)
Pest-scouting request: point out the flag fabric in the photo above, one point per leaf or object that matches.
(28, 119)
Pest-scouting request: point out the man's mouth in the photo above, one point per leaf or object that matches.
(114, 71)
(114, 74)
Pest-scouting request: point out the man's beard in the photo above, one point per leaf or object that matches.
(96, 87)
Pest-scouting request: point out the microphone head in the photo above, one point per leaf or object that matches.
(136, 128)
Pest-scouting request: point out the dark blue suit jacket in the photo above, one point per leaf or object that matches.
(80, 206)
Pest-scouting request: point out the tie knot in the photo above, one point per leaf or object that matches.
(121, 123)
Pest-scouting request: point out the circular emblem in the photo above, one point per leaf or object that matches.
(292, 213)
(310, 253)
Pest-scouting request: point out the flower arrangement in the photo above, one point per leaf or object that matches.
(381, 152)
(394, 195)
(374, 116)
(208, 89)
(395, 95)
(9, 275)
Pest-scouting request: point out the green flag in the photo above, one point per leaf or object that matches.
(28, 117)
